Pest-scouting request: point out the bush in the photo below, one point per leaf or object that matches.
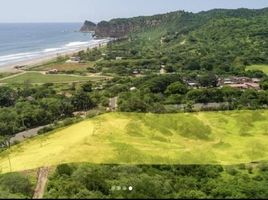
(263, 167)
(64, 169)
(16, 183)
(231, 170)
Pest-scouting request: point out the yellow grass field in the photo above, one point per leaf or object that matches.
(263, 68)
(128, 138)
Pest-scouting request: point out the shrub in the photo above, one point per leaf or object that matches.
(16, 183)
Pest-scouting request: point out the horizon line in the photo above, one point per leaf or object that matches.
(82, 21)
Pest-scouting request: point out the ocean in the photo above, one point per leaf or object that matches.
(23, 42)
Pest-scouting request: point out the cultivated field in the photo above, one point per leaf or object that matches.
(263, 68)
(36, 77)
(128, 138)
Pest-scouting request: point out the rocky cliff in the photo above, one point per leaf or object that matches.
(88, 27)
(118, 28)
(179, 21)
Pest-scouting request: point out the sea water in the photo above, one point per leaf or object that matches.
(23, 42)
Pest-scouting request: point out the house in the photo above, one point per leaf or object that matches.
(239, 86)
(255, 86)
(133, 89)
(228, 81)
(163, 70)
(256, 80)
(52, 71)
(136, 72)
(100, 87)
(240, 82)
(193, 84)
(118, 58)
(241, 79)
(30, 98)
(247, 85)
(162, 40)
(74, 59)
(19, 66)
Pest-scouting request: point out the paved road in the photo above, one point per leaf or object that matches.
(25, 134)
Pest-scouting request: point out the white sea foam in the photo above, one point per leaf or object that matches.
(51, 50)
(12, 59)
(77, 44)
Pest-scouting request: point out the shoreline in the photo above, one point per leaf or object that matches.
(46, 58)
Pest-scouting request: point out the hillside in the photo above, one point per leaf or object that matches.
(120, 138)
(214, 40)
(122, 27)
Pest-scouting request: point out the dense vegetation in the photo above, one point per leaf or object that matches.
(154, 93)
(15, 185)
(166, 181)
(219, 40)
(198, 48)
(27, 106)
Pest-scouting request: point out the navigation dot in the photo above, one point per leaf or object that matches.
(118, 188)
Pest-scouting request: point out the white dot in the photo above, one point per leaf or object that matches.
(118, 188)
(130, 188)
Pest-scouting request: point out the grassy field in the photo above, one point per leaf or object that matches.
(128, 138)
(6, 74)
(36, 77)
(79, 67)
(263, 68)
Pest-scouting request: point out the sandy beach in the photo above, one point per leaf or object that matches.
(46, 58)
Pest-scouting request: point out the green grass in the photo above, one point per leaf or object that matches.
(263, 68)
(6, 74)
(35, 77)
(127, 138)
(78, 67)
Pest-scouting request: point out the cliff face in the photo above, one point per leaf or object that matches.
(179, 21)
(118, 28)
(88, 27)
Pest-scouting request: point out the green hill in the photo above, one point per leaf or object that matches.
(219, 40)
(128, 138)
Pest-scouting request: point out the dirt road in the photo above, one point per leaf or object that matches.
(41, 183)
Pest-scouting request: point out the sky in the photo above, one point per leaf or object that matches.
(97, 10)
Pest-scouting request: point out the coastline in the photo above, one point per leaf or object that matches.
(46, 58)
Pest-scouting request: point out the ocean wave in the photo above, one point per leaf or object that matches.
(51, 50)
(24, 56)
(17, 56)
(77, 44)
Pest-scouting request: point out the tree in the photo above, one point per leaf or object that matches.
(82, 101)
(16, 183)
(87, 87)
(64, 169)
(264, 85)
(7, 96)
(176, 88)
(132, 104)
(208, 80)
